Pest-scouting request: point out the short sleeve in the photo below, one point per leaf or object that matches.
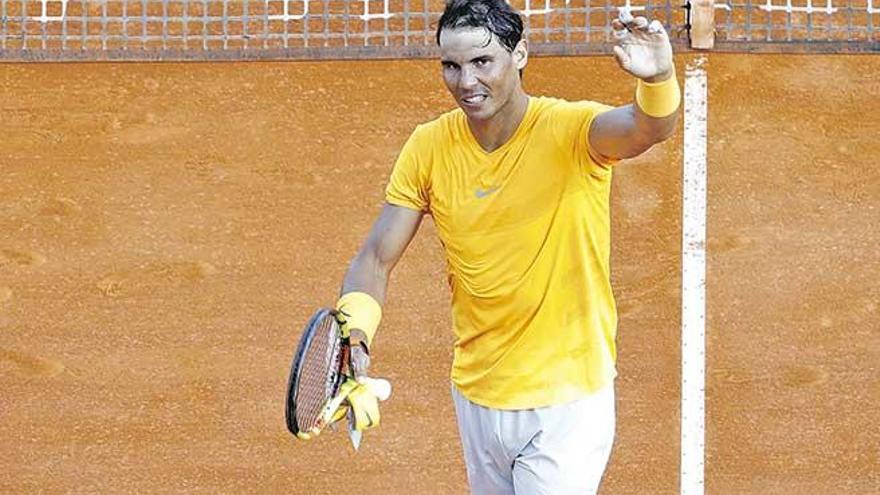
(409, 182)
(577, 117)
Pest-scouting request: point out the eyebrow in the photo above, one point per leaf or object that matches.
(486, 56)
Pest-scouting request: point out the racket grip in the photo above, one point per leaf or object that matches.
(377, 386)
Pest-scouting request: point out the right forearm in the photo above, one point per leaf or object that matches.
(366, 274)
(365, 282)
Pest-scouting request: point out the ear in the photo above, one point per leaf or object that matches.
(521, 54)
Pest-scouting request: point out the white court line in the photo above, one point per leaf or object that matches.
(693, 281)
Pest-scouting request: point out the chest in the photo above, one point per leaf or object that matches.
(475, 193)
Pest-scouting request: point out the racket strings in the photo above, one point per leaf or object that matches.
(319, 375)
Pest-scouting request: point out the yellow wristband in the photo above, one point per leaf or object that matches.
(659, 99)
(361, 311)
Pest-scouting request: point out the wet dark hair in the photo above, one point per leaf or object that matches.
(496, 16)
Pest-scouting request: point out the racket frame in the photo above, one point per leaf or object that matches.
(305, 343)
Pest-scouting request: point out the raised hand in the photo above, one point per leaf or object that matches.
(642, 48)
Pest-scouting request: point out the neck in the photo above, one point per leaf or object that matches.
(491, 134)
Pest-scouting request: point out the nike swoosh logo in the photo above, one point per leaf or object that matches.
(482, 193)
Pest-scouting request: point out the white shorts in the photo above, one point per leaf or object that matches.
(556, 450)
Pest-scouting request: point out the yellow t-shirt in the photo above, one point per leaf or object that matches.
(526, 230)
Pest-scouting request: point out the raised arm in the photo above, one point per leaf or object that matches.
(644, 51)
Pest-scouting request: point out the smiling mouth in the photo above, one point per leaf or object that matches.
(474, 100)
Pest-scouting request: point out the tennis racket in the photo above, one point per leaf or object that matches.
(320, 368)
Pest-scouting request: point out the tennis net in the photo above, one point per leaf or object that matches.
(34, 30)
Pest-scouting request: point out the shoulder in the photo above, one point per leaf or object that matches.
(568, 121)
(441, 133)
(558, 107)
(428, 137)
(443, 126)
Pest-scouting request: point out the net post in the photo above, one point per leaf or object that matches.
(702, 24)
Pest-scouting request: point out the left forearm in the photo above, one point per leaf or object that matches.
(643, 50)
(653, 130)
(630, 130)
(656, 106)
(627, 131)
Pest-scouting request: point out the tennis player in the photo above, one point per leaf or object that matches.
(518, 187)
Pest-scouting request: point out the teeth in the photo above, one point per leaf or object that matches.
(475, 99)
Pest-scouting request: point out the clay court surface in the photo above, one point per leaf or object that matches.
(167, 229)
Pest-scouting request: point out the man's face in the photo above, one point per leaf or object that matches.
(481, 76)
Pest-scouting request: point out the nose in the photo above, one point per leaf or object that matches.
(468, 78)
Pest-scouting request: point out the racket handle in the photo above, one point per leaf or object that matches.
(377, 386)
